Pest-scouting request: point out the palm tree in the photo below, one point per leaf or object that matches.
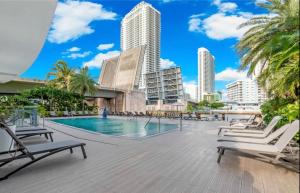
(273, 41)
(82, 83)
(62, 75)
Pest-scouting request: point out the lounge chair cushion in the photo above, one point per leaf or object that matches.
(249, 147)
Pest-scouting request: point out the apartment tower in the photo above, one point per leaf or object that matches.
(206, 73)
(141, 26)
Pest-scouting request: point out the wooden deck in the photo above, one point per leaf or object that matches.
(176, 162)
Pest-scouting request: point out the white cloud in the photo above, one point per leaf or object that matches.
(167, 1)
(79, 55)
(225, 7)
(72, 20)
(105, 46)
(230, 74)
(228, 7)
(190, 87)
(197, 15)
(195, 24)
(74, 49)
(220, 26)
(166, 63)
(97, 61)
(260, 1)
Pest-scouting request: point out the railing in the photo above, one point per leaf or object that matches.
(159, 117)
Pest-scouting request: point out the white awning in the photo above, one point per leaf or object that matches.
(24, 27)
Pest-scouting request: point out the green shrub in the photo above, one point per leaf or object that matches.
(59, 113)
(287, 108)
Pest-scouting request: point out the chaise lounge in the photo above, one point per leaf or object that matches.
(266, 151)
(35, 152)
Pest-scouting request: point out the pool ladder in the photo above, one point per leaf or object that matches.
(150, 120)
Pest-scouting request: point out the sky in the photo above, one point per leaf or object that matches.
(84, 33)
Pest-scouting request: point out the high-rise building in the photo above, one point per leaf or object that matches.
(206, 73)
(164, 85)
(141, 26)
(243, 92)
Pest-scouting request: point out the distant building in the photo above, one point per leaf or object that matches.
(141, 26)
(206, 73)
(190, 92)
(246, 92)
(212, 97)
(164, 85)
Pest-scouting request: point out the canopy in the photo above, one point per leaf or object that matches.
(24, 27)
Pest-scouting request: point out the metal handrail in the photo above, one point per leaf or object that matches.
(148, 122)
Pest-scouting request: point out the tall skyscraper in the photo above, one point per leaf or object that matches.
(141, 26)
(206, 73)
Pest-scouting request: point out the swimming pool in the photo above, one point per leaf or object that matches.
(118, 127)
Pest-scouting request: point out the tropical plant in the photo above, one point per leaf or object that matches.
(281, 106)
(216, 105)
(82, 82)
(189, 108)
(61, 75)
(272, 43)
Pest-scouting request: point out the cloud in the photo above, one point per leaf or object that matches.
(97, 61)
(190, 87)
(223, 24)
(79, 55)
(260, 1)
(73, 18)
(220, 26)
(167, 1)
(74, 49)
(105, 46)
(195, 24)
(166, 63)
(225, 7)
(228, 7)
(197, 15)
(230, 74)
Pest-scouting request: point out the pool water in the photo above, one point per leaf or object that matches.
(118, 127)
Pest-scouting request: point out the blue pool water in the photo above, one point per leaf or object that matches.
(117, 127)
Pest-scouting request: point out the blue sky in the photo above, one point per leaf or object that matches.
(86, 32)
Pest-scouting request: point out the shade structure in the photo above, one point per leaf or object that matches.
(24, 27)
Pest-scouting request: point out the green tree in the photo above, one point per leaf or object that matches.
(203, 104)
(82, 83)
(216, 105)
(61, 74)
(190, 108)
(273, 41)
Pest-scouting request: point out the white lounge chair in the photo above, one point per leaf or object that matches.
(265, 140)
(266, 151)
(53, 114)
(66, 113)
(242, 126)
(246, 121)
(233, 130)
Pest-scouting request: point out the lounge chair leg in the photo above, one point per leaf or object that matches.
(51, 138)
(220, 155)
(219, 131)
(223, 151)
(46, 136)
(83, 152)
(218, 149)
(71, 150)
